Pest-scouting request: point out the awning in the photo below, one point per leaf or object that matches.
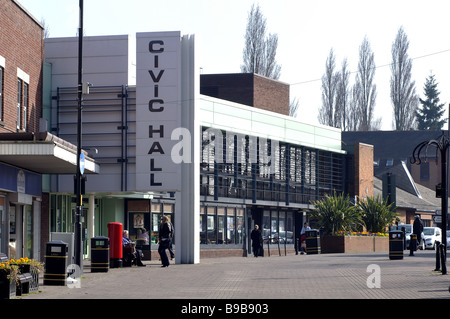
(43, 154)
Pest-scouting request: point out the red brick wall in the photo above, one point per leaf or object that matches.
(271, 95)
(363, 170)
(21, 45)
(248, 89)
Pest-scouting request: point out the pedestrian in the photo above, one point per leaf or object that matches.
(418, 230)
(303, 237)
(172, 232)
(164, 240)
(257, 240)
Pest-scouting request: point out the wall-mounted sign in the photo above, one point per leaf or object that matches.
(20, 181)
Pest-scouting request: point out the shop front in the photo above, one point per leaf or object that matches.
(143, 220)
(20, 197)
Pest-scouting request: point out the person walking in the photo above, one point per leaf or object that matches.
(172, 232)
(164, 240)
(417, 230)
(257, 240)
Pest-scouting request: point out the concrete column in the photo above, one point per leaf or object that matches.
(187, 206)
(91, 217)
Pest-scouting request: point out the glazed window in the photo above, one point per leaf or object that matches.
(19, 104)
(25, 106)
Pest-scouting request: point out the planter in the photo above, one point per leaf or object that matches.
(7, 287)
(354, 244)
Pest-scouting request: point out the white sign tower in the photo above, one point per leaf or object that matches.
(167, 132)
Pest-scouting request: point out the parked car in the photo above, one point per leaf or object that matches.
(408, 232)
(432, 235)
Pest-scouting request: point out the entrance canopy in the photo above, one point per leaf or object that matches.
(42, 153)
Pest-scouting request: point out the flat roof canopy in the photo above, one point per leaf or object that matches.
(48, 156)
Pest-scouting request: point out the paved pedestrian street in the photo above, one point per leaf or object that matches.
(253, 280)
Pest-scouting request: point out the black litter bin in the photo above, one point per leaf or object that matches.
(396, 239)
(312, 241)
(55, 263)
(99, 254)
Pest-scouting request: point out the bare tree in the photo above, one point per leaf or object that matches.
(260, 49)
(293, 107)
(342, 95)
(327, 113)
(365, 91)
(46, 29)
(403, 92)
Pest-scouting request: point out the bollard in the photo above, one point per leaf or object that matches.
(412, 244)
(438, 254)
(443, 252)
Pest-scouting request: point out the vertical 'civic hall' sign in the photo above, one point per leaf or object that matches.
(158, 109)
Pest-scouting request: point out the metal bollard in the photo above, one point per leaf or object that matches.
(438, 254)
(443, 252)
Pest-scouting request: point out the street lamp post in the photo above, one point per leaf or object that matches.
(442, 144)
(79, 201)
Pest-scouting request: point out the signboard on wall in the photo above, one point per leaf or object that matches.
(158, 110)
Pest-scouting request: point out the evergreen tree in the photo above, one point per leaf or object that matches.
(430, 112)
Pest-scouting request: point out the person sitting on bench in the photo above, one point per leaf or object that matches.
(130, 253)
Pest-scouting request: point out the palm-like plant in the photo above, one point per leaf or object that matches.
(376, 213)
(336, 213)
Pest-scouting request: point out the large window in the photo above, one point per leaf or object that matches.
(278, 226)
(221, 225)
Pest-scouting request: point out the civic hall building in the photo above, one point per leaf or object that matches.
(215, 153)
(216, 163)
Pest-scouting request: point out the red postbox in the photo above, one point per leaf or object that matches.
(115, 234)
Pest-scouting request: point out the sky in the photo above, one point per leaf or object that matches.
(307, 31)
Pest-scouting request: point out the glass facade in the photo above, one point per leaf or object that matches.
(244, 167)
(220, 225)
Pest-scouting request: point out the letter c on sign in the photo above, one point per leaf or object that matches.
(152, 46)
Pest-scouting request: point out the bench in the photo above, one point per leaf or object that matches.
(24, 284)
(3, 258)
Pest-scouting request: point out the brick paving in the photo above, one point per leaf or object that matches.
(325, 276)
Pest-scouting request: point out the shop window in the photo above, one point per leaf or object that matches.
(231, 232)
(138, 227)
(240, 225)
(211, 226)
(221, 235)
(266, 225)
(28, 238)
(157, 210)
(203, 222)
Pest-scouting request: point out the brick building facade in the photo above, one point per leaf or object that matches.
(21, 59)
(248, 89)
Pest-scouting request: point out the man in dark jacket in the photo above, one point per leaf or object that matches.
(257, 241)
(418, 229)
